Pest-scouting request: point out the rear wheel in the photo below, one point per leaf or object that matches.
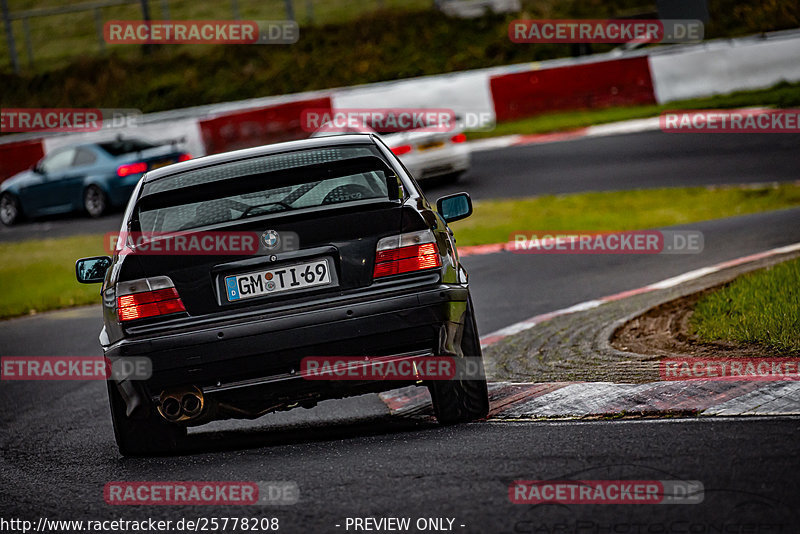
(10, 211)
(461, 401)
(141, 437)
(95, 201)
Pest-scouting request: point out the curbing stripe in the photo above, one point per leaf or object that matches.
(703, 397)
(561, 399)
(574, 400)
(679, 396)
(498, 335)
(515, 401)
(553, 137)
(770, 399)
(407, 399)
(503, 395)
(649, 124)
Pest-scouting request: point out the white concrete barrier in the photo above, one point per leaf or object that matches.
(724, 66)
(463, 92)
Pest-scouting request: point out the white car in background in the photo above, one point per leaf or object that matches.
(470, 9)
(426, 154)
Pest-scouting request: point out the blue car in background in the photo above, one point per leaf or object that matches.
(91, 177)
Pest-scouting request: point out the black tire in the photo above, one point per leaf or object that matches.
(10, 209)
(461, 401)
(142, 437)
(95, 201)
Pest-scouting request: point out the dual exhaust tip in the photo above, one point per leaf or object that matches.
(181, 405)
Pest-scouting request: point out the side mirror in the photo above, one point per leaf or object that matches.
(92, 270)
(454, 207)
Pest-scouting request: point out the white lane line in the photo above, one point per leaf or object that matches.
(693, 275)
(521, 326)
(492, 143)
(625, 127)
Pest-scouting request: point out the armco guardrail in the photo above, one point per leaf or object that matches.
(659, 75)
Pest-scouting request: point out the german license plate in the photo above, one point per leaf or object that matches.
(278, 280)
(431, 146)
(162, 164)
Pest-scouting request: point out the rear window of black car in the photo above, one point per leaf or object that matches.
(121, 147)
(256, 166)
(265, 186)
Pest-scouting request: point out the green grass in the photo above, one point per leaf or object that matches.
(494, 220)
(60, 39)
(385, 45)
(57, 39)
(39, 275)
(760, 307)
(782, 95)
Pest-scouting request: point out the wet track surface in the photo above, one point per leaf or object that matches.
(351, 459)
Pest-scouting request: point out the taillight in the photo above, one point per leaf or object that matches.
(400, 150)
(458, 138)
(184, 157)
(131, 168)
(405, 253)
(147, 297)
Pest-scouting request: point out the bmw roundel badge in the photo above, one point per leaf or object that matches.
(271, 239)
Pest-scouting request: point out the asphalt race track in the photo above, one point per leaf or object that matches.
(351, 459)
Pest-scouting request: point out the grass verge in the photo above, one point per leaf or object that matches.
(782, 95)
(39, 275)
(760, 307)
(494, 220)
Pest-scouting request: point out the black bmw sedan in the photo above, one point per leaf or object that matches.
(234, 273)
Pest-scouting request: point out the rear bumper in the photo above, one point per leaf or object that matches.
(268, 352)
